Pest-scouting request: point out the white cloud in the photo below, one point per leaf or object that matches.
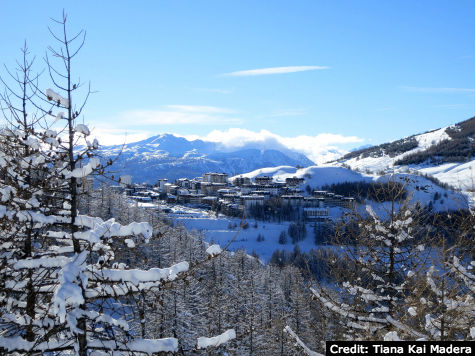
(437, 90)
(274, 70)
(320, 148)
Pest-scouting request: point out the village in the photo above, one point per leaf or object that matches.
(238, 195)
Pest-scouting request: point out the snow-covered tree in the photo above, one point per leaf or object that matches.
(402, 279)
(382, 252)
(25, 184)
(442, 303)
(64, 289)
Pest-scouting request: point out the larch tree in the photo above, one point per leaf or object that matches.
(442, 303)
(64, 289)
(25, 184)
(381, 251)
(402, 279)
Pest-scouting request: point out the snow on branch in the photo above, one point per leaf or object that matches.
(82, 172)
(365, 294)
(81, 128)
(463, 273)
(215, 341)
(148, 346)
(406, 328)
(51, 95)
(391, 336)
(300, 343)
(344, 311)
(214, 250)
(17, 343)
(110, 228)
(43, 262)
(136, 276)
(68, 291)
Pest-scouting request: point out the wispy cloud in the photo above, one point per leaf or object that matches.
(436, 90)
(274, 70)
(199, 109)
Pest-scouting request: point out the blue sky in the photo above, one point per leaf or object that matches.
(362, 72)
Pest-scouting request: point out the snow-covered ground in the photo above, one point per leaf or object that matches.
(419, 188)
(315, 176)
(220, 230)
(461, 176)
(458, 175)
(385, 162)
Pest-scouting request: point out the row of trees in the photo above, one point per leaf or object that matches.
(233, 290)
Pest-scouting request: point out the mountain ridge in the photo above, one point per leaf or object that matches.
(169, 156)
(447, 154)
(460, 133)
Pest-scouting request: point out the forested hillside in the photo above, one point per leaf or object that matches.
(446, 154)
(459, 146)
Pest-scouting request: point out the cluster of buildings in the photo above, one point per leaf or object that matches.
(240, 195)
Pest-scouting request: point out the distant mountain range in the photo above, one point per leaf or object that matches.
(447, 154)
(171, 157)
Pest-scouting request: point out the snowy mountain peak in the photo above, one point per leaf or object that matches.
(170, 156)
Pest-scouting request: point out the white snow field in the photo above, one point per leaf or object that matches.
(218, 230)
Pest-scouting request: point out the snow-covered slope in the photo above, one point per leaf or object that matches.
(447, 154)
(315, 176)
(419, 189)
(169, 156)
